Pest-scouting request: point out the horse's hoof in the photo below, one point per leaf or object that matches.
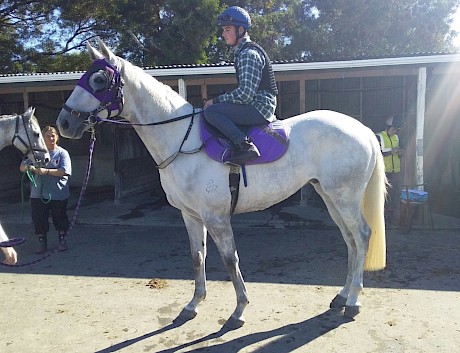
(233, 324)
(185, 315)
(351, 311)
(338, 302)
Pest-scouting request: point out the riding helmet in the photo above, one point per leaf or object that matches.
(394, 121)
(234, 16)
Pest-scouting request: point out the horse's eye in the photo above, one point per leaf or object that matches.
(36, 134)
(99, 80)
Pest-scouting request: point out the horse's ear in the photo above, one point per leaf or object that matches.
(106, 52)
(93, 53)
(28, 114)
(30, 111)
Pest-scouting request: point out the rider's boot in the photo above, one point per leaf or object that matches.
(245, 151)
(42, 244)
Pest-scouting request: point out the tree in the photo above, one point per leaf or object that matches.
(50, 35)
(355, 28)
(167, 32)
(37, 35)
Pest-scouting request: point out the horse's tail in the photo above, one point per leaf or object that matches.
(373, 211)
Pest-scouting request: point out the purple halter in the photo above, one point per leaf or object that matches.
(110, 97)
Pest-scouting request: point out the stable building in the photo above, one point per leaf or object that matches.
(422, 89)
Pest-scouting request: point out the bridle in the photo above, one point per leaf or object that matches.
(28, 144)
(111, 98)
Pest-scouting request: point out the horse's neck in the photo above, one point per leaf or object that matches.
(149, 101)
(6, 131)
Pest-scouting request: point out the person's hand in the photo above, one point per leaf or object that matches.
(11, 257)
(42, 171)
(208, 103)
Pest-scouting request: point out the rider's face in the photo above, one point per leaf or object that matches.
(229, 35)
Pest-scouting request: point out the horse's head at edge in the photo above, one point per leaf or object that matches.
(77, 115)
(29, 139)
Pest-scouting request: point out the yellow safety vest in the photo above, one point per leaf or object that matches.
(387, 143)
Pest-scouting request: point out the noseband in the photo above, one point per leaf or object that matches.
(110, 97)
(28, 146)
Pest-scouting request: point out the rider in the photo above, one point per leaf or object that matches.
(253, 102)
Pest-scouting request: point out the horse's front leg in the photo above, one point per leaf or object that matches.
(222, 233)
(197, 236)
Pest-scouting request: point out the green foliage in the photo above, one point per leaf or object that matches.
(167, 32)
(48, 36)
(347, 29)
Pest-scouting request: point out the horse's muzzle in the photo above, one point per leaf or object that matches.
(71, 127)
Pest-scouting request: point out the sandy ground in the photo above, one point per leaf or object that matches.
(118, 289)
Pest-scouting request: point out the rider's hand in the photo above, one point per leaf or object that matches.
(207, 103)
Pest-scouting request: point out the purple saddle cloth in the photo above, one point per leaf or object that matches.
(271, 140)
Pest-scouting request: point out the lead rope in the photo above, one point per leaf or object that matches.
(85, 182)
(19, 241)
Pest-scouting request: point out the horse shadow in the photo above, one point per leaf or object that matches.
(283, 339)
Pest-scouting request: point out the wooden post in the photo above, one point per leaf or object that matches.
(182, 88)
(25, 98)
(421, 91)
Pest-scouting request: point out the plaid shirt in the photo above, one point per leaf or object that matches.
(250, 64)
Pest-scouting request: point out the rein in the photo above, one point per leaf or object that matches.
(181, 117)
(171, 158)
(19, 241)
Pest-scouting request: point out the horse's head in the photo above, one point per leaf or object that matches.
(98, 94)
(28, 138)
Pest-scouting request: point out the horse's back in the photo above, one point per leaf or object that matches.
(325, 133)
(328, 121)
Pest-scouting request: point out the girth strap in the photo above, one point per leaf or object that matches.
(234, 185)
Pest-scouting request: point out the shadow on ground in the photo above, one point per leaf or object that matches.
(284, 339)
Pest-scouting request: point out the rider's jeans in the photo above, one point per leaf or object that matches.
(225, 116)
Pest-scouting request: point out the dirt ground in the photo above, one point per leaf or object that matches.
(118, 289)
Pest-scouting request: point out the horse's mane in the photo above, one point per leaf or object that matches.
(8, 116)
(157, 89)
(14, 115)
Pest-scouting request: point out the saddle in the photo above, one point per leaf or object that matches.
(271, 139)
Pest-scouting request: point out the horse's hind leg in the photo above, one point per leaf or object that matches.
(222, 233)
(197, 236)
(348, 295)
(340, 299)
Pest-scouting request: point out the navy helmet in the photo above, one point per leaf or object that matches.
(234, 16)
(394, 121)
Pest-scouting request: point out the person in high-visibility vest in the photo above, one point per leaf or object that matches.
(392, 153)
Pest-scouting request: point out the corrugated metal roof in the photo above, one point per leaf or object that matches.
(227, 68)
